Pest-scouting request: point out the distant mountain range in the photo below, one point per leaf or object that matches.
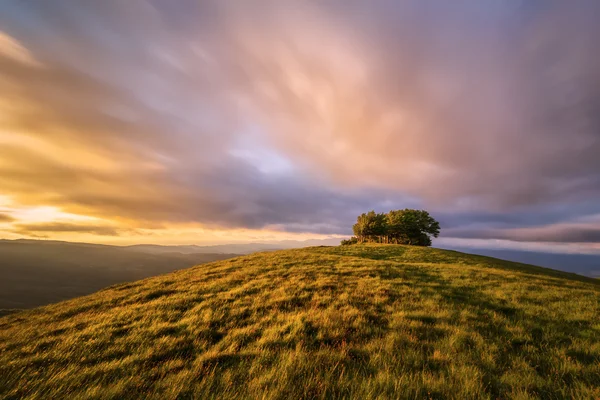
(38, 272)
(240, 248)
(582, 264)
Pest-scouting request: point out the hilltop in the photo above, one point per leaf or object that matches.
(373, 321)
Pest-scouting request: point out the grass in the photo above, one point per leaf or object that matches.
(358, 322)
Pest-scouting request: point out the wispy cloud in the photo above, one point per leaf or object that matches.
(11, 49)
(5, 218)
(61, 227)
(295, 116)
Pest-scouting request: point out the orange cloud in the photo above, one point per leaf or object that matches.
(4, 218)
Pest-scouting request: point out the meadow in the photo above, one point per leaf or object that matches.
(361, 321)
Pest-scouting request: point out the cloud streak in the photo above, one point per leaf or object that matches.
(6, 218)
(57, 227)
(550, 233)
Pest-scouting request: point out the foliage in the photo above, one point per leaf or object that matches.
(371, 321)
(370, 224)
(413, 227)
(348, 242)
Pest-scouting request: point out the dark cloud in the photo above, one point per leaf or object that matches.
(556, 234)
(6, 218)
(299, 115)
(38, 229)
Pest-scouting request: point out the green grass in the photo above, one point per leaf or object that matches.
(332, 322)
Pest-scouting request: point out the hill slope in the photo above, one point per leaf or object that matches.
(356, 321)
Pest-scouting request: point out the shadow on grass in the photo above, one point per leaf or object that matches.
(486, 323)
(227, 360)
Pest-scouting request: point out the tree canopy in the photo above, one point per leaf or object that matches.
(413, 227)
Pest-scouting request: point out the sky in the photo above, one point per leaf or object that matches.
(204, 122)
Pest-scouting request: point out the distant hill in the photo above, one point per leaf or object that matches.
(364, 321)
(582, 264)
(38, 272)
(245, 248)
(236, 248)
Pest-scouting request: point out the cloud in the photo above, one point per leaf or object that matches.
(300, 115)
(39, 229)
(13, 50)
(560, 233)
(5, 218)
(469, 107)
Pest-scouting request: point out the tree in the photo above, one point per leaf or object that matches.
(396, 227)
(412, 227)
(359, 228)
(348, 242)
(370, 227)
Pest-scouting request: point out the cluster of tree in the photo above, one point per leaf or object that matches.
(413, 227)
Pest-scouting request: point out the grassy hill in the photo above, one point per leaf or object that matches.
(330, 322)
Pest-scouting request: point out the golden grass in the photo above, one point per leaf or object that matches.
(372, 321)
